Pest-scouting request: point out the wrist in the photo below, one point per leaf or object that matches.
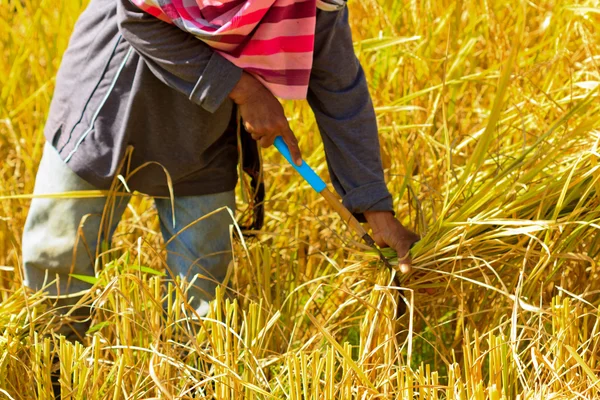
(378, 214)
(244, 89)
(378, 217)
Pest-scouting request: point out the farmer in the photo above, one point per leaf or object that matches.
(139, 76)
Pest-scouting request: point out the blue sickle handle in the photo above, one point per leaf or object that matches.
(307, 173)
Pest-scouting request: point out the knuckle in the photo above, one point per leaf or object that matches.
(270, 128)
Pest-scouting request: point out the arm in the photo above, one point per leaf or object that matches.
(190, 66)
(177, 58)
(339, 97)
(340, 100)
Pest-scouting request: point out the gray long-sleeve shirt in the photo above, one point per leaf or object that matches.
(128, 78)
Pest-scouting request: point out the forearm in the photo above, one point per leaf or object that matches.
(339, 97)
(177, 58)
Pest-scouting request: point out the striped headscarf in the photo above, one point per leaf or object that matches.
(271, 39)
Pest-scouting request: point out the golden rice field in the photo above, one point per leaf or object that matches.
(489, 114)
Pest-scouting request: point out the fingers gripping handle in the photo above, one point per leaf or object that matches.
(307, 173)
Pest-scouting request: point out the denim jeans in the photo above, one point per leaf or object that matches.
(55, 227)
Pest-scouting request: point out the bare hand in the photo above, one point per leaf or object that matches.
(389, 232)
(263, 115)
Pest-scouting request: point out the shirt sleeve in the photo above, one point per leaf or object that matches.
(340, 99)
(177, 58)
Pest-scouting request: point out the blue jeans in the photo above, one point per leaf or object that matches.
(201, 252)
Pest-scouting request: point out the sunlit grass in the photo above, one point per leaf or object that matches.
(489, 120)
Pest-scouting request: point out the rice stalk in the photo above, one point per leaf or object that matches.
(488, 116)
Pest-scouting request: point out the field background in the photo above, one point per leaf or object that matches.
(490, 123)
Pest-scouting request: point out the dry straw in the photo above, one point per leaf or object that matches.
(489, 119)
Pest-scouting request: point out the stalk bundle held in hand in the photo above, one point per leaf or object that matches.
(271, 39)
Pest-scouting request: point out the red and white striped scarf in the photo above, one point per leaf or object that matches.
(271, 39)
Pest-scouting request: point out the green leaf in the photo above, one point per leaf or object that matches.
(147, 270)
(92, 280)
(99, 326)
